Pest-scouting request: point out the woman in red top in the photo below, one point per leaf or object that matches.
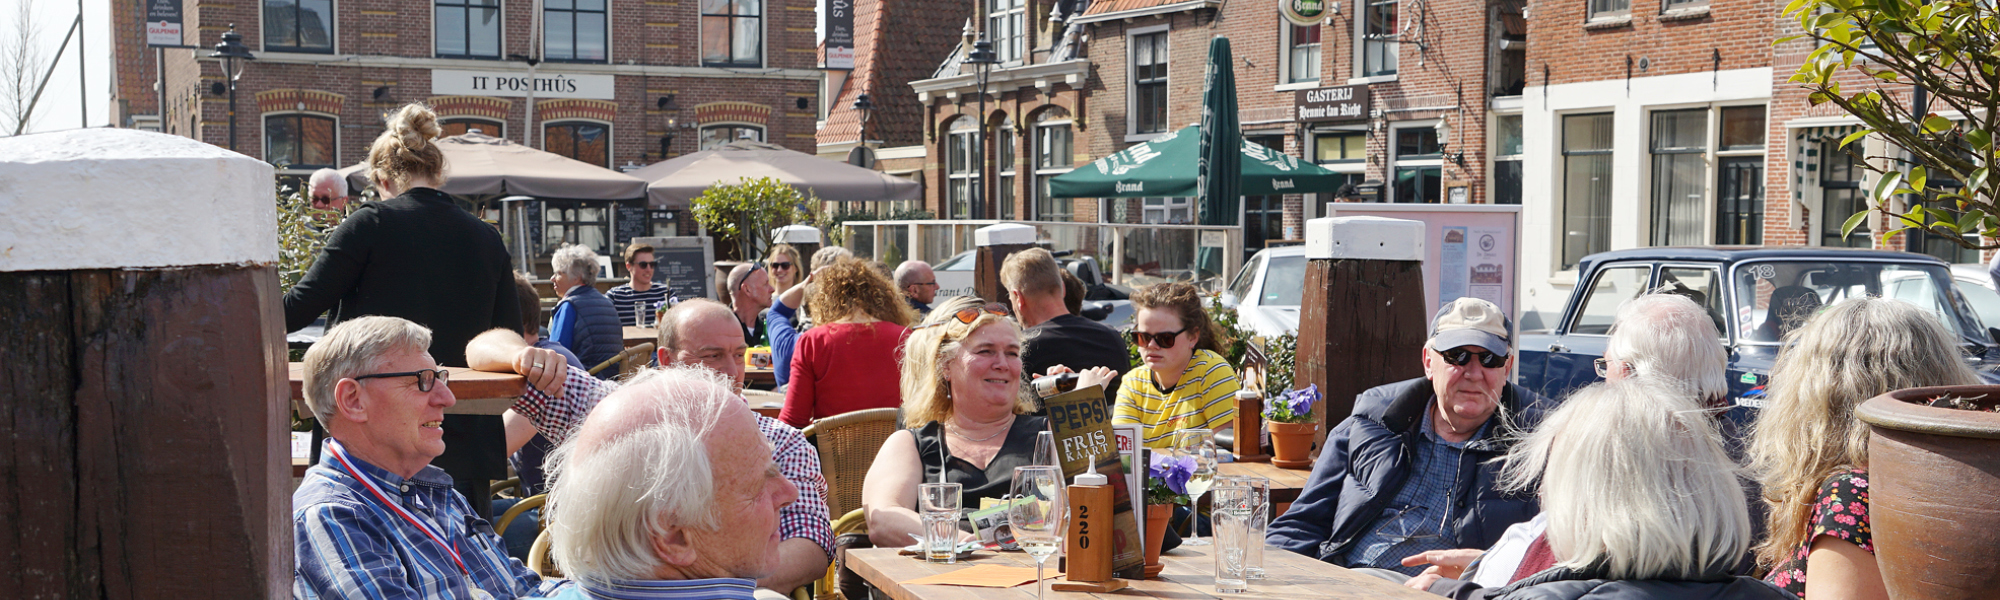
(850, 360)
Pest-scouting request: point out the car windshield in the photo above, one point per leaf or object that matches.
(962, 262)
(1775, 297)
(1284, 281)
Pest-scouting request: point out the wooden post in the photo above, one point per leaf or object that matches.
(143, 447)
(1362, 321)
(996, 243)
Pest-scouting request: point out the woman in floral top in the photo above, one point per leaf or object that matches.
(1809, 451)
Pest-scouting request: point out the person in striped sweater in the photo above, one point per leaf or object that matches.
(638, 300)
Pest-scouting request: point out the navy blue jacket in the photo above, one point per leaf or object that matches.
(1367, 459)
(594, 332)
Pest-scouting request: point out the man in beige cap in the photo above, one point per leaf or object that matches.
(1412, 469)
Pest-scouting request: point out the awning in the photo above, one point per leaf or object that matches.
(1166, 167)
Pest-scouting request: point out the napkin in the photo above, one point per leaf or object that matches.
(993, 576)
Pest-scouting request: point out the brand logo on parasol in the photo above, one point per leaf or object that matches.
(1281, 184)
(1135, 186)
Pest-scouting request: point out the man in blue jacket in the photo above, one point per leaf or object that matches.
(1410, 471)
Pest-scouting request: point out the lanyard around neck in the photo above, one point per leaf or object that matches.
(340, 454)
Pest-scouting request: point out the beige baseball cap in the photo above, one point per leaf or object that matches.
(1472, 322)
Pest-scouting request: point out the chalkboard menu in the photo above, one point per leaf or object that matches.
(535, 247)
(686, 265)
(630, 219)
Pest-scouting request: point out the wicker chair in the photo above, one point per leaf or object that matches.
(629, 361)
(539, 560)
(519, 508)
(847, 445)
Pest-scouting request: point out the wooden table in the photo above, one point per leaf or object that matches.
(640, 335)
(1189, 574)
(478, 392)
(765, 402)
(1285, 483)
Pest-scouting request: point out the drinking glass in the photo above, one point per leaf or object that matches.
(1230, 515)
(1198, 444)
(1037, 515)
(939, 506)
(1045, 450)
(1260, 518)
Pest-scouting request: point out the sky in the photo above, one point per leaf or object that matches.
(59, 108)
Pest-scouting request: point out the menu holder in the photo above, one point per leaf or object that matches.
(1081, 421)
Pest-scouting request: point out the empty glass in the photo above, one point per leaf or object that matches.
(1045, 450)
(1260, 518)
(938, 504)
(1198, 444)
(1230, 515)
(1037, 515)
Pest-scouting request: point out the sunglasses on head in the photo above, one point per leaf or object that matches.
(1163, 339)
(971, 313)
(426, 379)
(1458, 357)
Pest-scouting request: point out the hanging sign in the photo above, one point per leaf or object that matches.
(1303, 12)
(1339, 103)
(839, 34)
(163, 23)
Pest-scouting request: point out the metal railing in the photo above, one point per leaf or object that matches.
(1130, 255)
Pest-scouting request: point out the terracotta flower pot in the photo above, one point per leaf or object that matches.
(1934, 492)
(1291, 444)
(1157, 516)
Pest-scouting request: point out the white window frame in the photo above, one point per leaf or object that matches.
(1561, 192)
(1285, 47)
(1360, 57)
(763, 38)
(1493, 150)
(1396, 161)
(1683, 5)
(1006, 180)
(332, 30)
(1593, 15)
(503, 35)
(610, 136)
(1711, 160)
(967, 127)
(1035, 158)
(1165, 208)
(1010, 49)
(264, 139)
(1132, 81)
(763, 133)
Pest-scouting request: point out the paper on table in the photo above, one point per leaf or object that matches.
(993, 576)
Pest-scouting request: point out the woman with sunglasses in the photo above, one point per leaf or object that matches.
(962, 392)
(847, 362)
(783, 263)
(1185, 383)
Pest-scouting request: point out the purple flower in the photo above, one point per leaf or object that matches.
(1294, 406)
(1172, 471)
(1302, 401)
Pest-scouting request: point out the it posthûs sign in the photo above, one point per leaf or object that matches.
(446, 82)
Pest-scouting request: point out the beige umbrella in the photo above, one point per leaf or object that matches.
(479, 164)
(676, 181)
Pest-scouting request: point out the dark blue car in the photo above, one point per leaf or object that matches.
(1755, 295)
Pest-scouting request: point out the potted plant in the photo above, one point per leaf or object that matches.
(1166, 487)
(1290, 419)
(1934, 490)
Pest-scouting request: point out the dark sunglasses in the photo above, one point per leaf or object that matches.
(971, 313)
(646, 263)
(1457, 357)
(1163, 339)
(426, 379)
(781, 266)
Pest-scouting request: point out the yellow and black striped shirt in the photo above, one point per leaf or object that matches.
(1205, 397)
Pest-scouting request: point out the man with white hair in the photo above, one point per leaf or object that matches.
(373, 519)
(694, 333)
(585, 321)
(700, 521)
(748, 289)
(327, 189)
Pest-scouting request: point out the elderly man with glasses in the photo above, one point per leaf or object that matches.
(374, 519)
(1412, 470)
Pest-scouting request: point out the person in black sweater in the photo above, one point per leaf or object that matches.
(419, 257)
(1055, 336)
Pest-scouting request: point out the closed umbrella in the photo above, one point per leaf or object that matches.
(479, 164)
(1221, 186)
(676, 181)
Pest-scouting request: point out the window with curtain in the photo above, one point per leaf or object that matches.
(300, 142)
(1418, 166)
(582, 140)
(584, 223)
(574, 30)
(1004, 29)
(1586, 218)
(732, 33)
(1609, 9)
(298, 26)
(467, 28)
(1680, 175)
(962, 168)
(1053, 157)
(1149, 82)
(1301, 53)
(714, 136)
(464, 125)
(1378, 35)
(1003, 171)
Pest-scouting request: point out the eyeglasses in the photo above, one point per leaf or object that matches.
(1163, 339)
(426, 379)
(929, 283)
(646, 264)
(971, 313)
(1458, 357)
(781, 266)
(1604, 367)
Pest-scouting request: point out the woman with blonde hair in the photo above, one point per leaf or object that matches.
(962, 394)
(418, 256)
(848, 361)
(1810, 452)
(784, 264)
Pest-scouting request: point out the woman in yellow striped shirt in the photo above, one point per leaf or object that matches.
(1185, 383)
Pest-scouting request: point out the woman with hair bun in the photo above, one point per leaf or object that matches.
(418, 256)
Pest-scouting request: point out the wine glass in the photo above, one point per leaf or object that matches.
(1037, 514)
(1045, 450)
(1199, 445)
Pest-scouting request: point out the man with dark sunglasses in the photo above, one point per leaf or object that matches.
(1411, 470)
(637, 300)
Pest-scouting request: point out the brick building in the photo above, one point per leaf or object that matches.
(884, 66)
(617, 82)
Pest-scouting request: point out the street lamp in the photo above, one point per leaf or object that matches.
(230, 50)
(1443, 129)
(866, 108)
(982, 60)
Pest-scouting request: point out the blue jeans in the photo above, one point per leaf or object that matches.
(520, 534)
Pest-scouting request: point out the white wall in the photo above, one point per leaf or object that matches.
(1543, 288)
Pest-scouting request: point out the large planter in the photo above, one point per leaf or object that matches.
(1157, 517)
(1292, 443)
(1934, 492)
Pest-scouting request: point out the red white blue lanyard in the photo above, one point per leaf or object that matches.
(340, 454)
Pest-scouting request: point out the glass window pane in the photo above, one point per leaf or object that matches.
(1416, 141)
(1613, 287)
(1510, 135)
(560, 32)
(590, 43)
(715, 39)
(316, 146)
(281, 139)
(563, 5)
(749, 47)
(1586, 132)
(450, 31)
(749, 8)
(315, 24)
(1677, 199)
(484, 38)
(278, 19)
(1743, 128)
(1586, 206)
(714, 7)
(1680, 129)
(1419, 185)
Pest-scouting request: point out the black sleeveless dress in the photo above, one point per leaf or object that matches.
(997, 479)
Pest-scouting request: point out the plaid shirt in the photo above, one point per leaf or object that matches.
(804, 518)
(349, 545)
(1419, 519)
